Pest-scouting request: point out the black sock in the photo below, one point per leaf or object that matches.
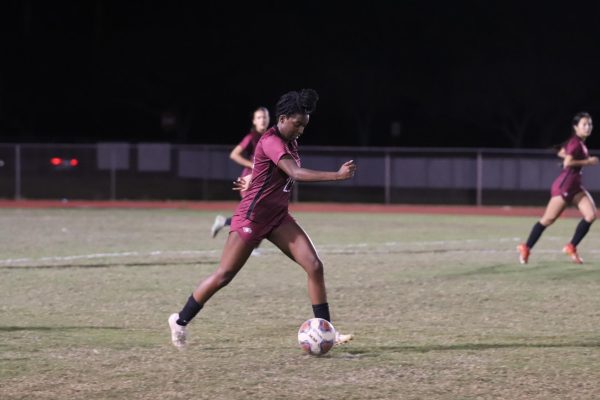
(321, 311)
(228, 222)
(582, 229)
(189, 311)
(535, 234)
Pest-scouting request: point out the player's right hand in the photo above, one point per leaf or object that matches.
(347, 170)
(242, 183)
(593, 160)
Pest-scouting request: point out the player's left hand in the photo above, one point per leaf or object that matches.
(347, 170)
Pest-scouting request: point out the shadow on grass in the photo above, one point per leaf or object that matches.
(55, 328)
(393, 251)
(547, 271)
(110, 265)
(377, 350)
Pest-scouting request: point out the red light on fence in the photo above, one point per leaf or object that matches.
(56, 161)
(74, 162)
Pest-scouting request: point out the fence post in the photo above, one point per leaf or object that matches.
(17, 172)
(113, 175)
(479, 188)
(387, 177)
(206, 173)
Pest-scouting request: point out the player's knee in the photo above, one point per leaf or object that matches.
(547, 221)
(223, 278)
(314, 267)
(590, 218)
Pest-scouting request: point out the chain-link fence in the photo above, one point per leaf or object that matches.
(160, 171)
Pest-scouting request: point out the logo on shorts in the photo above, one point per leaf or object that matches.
(565, 194)
(247, 229)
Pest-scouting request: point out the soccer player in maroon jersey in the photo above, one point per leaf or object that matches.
(263, 213)
(567, 189)
(243, 154)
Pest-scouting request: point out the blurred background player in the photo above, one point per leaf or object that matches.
(243, 154)
(263, 213)
(567, 189)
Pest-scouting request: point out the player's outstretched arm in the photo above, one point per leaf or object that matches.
(289, 166)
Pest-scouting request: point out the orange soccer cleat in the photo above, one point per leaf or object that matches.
(571, 251)
(523, 253)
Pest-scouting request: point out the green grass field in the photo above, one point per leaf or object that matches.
(439, 306)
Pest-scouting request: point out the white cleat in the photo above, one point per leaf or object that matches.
(178, 332)
(217, 225)
(342, 339)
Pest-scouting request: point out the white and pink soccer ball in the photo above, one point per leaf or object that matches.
(316, 336)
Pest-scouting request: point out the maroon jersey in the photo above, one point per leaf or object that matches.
(266, 201)
(578, 150)
(568, 183)
(248, 144)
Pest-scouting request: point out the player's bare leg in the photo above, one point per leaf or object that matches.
(235, 255)
(291, 239)
(554, 209)
(585, 204)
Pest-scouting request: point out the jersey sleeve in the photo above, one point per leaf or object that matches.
(274, 148)
(246, 141)
(573, 148)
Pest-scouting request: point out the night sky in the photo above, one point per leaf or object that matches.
(444, 74)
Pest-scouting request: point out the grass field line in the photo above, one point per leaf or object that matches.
(355, 248)
(124, 254)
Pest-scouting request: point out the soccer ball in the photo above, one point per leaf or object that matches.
(316, 336)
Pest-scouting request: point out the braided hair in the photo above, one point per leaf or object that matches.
(302, 102)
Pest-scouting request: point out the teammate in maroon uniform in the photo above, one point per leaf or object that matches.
(243, 154)
(263, 213)
(567, 189)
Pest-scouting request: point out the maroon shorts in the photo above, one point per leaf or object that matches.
(253, 232)
(567, 187)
